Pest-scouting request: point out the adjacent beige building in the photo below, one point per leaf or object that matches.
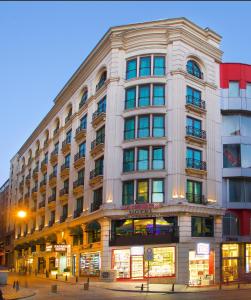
(128, 159)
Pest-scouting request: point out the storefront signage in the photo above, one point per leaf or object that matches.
(48, 248)
(137, 250)
(143, 210)
(60, 248)
(203, 249)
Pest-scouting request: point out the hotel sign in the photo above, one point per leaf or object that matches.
(141, 210)
(60, 248)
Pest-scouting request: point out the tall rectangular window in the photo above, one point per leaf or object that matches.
(102, 105)
(143, 159)
(130, 98)
(129, 132)
(143, 126)
(202, 226)
(67, 161)
(234, 89)
(236, 190)
(81, 149)
(231, 156)
(97, 199)
(56, 146)
(248, 90)
(158, 125)
(193, 156)
(159, 65)
(65, 210)
(158, 94)
(194, 127)
(142, 191)
(193, 96)
(68, 137)
(194, 191)
(131, 68)
(128, 193)
(53, 216)
(83, 122)
(231, 125)
(145, 66)
(128, 163)
(158, 158)
(80, 203)
(157, 190)
(144, 95)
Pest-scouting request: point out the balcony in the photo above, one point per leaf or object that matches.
(196, 135)
(52, 200)
(79, 160)
(144, 236)
(27, 180)
(80, 134)
(53, 179)
(63, 218)
(96, 177)
(66, 146)
(195, 104)
(35, 173)
(77, 213)
(65, 170)
(54, 157)
(78, 187)
(41, 205)
(63, 195)
(195, 198)
(44, 166)
(34, 192)
(196, 167)
(98, 118)
(42, 186)
(97, 146)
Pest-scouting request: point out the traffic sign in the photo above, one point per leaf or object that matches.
(149, 254)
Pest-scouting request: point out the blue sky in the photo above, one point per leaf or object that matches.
(43, 43)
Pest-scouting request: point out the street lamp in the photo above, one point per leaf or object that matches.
(21, 214)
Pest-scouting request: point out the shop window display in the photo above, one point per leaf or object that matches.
(230, 262)
(90, 264)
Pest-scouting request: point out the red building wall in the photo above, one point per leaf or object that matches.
(234, 72)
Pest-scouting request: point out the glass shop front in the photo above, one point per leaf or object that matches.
(90, 264)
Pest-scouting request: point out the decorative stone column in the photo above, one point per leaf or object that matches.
(105, 249)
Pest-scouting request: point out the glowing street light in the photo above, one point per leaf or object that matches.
(21, 214)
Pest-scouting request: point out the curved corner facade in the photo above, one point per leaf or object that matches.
(236, 139)
(128, 159)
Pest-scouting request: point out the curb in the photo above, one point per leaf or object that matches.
(24, 297)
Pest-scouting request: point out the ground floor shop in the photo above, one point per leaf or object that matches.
(235, 261)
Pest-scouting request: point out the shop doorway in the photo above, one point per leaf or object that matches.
(52, 263)
(137, 267)
(41, 265)
(230, 262)
(62, 264)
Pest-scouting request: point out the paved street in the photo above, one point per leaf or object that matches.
(101, 291)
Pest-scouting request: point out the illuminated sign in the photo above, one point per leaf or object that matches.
(203, 249)
(60, 248)
(137, 250)
(145, 209)
(48, 248)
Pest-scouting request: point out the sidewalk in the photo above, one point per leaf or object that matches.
(10, 294)
(136, 286)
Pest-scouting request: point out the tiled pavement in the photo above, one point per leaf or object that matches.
(10, 294)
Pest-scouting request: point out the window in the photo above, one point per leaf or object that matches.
(194, 158)
(83, 98)
(248, 90)
(143, 126)
(102, 80)
(245, 156)
(194, 192)
(234, 89)
(158, 158)
(231, 156)
(94, 232)
(231, 224)
(53, 216)
(55, 167)
(102, 105)
(99, 165)
(143, 159)
(128, 193)
(239, 190)
(68, 137)
(66, 185)
(158, 94)
(46, 157)
(80, 204)
(56, 146)
(65, 211)
(97, 199)
(83, 122)
(159, 65)
(81, 174)
(194, 97)
(67, 160)
(130, 98)
(231, 125)
(131, 68)
(245, 125)
(144, 95)
(158, 190)
(194, 69)
(145, 66)
(100, 135)
(194, 127)
(202, 226)
(128, 164)
(142, 191)
(81, 149)
(158, 125)
(129, 132)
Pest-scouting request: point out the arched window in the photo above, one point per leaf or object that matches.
(69, 113)
(231, 224)
(37, 147)
(57, 124)
(94, 232)
(194, 69)
(46, 139)
(102, 80)
(83, 98)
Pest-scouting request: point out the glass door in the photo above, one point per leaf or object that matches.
(137, 267)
